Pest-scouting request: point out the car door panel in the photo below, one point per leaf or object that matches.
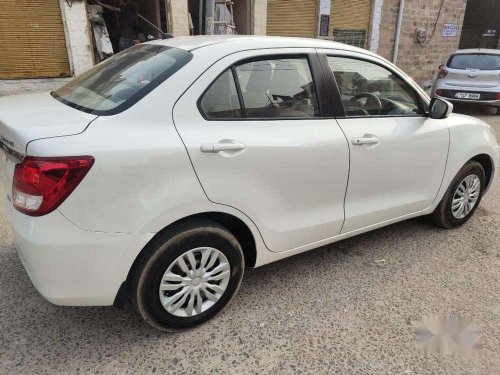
(289, 176)
(397, 156)
(399, 175)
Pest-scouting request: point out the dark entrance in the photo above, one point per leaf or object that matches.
(481, 27)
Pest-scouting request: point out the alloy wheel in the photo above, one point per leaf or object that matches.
(466, 196)
(194, 282)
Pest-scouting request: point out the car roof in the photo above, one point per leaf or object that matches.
(243, 42)
(478, 50)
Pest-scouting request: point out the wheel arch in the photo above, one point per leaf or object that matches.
(233, 224)
(487, 163)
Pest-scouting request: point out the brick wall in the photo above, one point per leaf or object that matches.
(420, 62)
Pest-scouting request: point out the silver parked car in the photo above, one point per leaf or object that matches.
(470, 75)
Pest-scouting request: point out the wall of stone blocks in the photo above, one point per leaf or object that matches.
(420, 62)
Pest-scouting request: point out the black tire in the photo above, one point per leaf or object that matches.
(442, 215)
(162, 252)
(498, 110)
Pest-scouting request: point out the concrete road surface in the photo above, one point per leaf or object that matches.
(344, 308)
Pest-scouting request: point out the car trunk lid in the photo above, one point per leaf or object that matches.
(24, 118)
(472, 78)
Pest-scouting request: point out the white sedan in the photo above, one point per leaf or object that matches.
(163, 172)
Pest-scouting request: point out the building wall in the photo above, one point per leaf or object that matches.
(259, 15)
(420, 62)
(78, 37)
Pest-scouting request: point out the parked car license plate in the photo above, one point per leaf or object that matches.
(467, 95)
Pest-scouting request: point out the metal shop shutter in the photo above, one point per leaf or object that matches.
(292, 17)
(350, 17)
(32, 42)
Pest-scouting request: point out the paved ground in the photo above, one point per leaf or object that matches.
(336, 310)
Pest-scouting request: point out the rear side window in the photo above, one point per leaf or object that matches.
(269, 88)
(481, 61)
(278, 88)
(221, 99)
(122, 80)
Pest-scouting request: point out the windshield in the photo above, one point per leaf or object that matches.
(122, 80)
(481, 61)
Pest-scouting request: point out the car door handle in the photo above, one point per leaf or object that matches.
(365, 141)
(221, 146)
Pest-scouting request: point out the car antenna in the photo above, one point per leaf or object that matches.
(163, 35)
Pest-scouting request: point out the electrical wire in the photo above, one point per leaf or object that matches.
(435, 24)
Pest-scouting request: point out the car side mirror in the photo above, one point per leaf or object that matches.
(439, 108)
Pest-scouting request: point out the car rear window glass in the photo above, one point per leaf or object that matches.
(122, 80)
(481, 61)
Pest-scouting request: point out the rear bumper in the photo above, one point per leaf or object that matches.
(70, 266)
(493, 103)
(488, 96)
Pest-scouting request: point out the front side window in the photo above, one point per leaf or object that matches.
(278, 88)
(368, 89)
(122, 80)
(481, 61)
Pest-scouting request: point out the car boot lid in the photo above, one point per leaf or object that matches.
(24, 118)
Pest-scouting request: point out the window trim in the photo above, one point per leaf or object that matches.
(340, 112)
(317, 74)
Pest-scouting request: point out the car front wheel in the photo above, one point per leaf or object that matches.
(462, 197)
(187, 275)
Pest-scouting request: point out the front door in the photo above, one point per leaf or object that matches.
(398, 156)
(258, 142)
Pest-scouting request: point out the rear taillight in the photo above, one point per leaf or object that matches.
(439, 92)
(498, 96)
(41, 184)
(442, 73)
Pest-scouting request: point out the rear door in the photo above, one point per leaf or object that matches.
(398, 156)
(260, 142)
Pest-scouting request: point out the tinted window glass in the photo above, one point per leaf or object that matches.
(278, 88)
(123, 79)
(480, 61)
(221, 99)
(368, 89)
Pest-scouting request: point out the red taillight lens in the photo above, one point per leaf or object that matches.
(442, 73)
(439, 92)
(42, 184)
(498, 96)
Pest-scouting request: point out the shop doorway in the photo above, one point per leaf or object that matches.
(119, 24)
(219, 17)
(481, 28)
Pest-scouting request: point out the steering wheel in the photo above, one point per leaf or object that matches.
(369, 96)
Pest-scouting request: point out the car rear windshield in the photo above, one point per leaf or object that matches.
(481, 61)
(122, 80)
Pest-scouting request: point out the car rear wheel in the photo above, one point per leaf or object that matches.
(187, 276)
(462, 197)
(498, 110)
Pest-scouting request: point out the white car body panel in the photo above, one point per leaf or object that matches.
(398, 176)
(34, 118)
(149, 172)
(291, 177)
